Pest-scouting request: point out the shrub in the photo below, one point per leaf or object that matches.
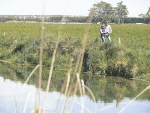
(111, 59)
(19, 48)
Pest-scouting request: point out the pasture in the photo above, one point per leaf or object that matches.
(20, 43)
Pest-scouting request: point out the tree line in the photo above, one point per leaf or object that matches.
(4, 18)
(98, 13)
(47, 18)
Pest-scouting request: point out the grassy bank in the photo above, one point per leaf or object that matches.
(20, 43)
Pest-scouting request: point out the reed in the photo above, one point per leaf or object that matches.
(92, 96)
(80, 89)
(40, 60)
(24, 110)
(31, 74)
(83, 89)
(50, 75)
(74, 93)
(71, 85)
(16, 105)
(148, 87)
(67, 85)
(62, 90)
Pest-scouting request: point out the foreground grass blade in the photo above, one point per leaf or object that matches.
(67, 85)
(148, 87)
(62, 89)
(75, 91)
(68, 81)
(71, 85)
(83, 88)
(92, 96)
(16, 111)
(29, 78)
(83, 106)
(24, 110)
(105, 108)
(40, 60)
(31, 74)
(50, 76)
(80, 91)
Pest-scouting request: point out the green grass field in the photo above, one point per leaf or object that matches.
(20, 43)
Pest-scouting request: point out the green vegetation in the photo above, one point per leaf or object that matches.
(103, 11)
(20, 43)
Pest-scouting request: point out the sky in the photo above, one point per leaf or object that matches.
(66, 7)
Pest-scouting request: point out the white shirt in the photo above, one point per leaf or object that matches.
(102, 30)
(108, 29)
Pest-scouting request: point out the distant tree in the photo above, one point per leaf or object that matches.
(121, 12)
(92, 12)
(102, 11)
(146, 16)
(143, 16)
(148, 13)
(117, 20)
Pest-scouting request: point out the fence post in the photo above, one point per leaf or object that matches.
(119, 42)
(4, 34)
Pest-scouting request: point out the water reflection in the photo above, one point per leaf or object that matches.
(111, 94)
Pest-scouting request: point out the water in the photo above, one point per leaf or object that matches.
(112, 94)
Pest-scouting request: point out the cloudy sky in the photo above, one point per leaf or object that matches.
(66, 7)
